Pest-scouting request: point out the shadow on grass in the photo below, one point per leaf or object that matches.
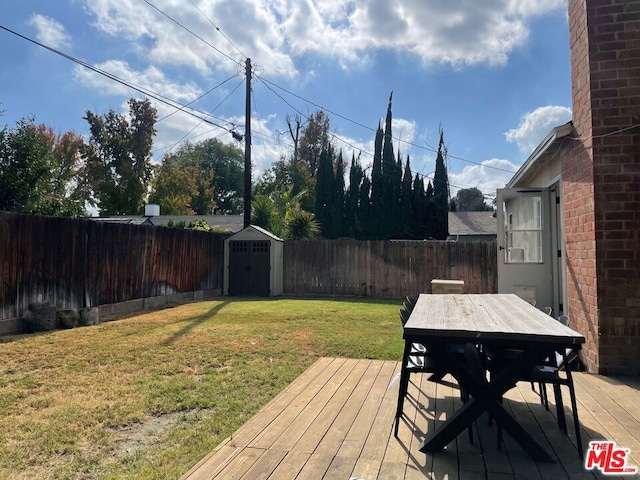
(196, 321)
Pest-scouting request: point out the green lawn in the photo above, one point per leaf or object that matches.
(150, 395)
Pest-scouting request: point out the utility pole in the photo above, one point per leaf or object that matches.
(247, 147)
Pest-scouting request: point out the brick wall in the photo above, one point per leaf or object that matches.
(601, 183)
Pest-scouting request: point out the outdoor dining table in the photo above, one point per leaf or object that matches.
(489, 321)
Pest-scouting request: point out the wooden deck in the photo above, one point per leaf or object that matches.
(335, 421)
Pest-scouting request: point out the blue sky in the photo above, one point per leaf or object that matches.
(494, 74)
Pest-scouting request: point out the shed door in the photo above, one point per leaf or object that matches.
(249, 267)
(525, 261)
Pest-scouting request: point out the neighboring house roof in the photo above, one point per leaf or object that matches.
(124, 220)
(232, 223)
(472, 223)
(540, 156)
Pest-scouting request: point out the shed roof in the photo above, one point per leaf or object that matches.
(259, 230)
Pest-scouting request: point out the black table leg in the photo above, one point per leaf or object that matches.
(485, 397)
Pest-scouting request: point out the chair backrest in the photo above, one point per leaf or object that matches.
(404, 316)
(533, 302)
(564, 319)
(548, 310)
(410, 301)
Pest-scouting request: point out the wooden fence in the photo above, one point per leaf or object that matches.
(83, 263)
(386, 268)
(78, 263)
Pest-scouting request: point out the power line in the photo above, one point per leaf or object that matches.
(199, 97)
(156, 96)
(201, 121)
(218, 29)
(373, 129)
(192, 32)
(335, 136)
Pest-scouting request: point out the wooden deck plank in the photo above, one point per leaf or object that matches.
(315, 468)
(287, 404)
(333, 440)
(366, 435)
(265, 465)
(375, 445)
(338, 404)
(240, 464)
(336, 421)
(291, 465)
(210, 465)
(266, 437)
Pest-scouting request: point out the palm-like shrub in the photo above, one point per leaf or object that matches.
(301, 225)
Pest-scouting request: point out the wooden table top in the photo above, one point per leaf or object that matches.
(486, 318)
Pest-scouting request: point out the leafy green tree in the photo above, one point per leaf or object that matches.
(470, 200)
(173, 187)
(315, 139)
(299, 171)
(42, 172)
(118, 157)
(219, 176)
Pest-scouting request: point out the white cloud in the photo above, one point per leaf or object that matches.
(487, 177)
(535, 125)
(49, 31)
(151, 79)
(275, 33)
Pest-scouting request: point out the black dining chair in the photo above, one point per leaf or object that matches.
(555, 371)
(416, 359)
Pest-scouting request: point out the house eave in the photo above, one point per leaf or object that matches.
(556, 134)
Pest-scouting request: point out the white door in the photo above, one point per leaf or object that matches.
(525, 261)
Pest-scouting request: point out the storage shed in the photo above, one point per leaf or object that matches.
(253, 263)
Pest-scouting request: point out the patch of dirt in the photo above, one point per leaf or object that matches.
(141, 436)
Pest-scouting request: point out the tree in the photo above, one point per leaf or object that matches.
(377, 187)
(118, 157)
(470, 200)
(324, 191)
(173, 187)
(315, 139)
(439, 219)
(337, 200)
(353, 220)
(41, 172)
(219, 175)
(406, 205)
(284, 217)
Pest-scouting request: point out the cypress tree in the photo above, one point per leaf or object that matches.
(377, 185)
(428, 211)
(390, 191)
(356, 175)
(406, 204)
(364, 210)
(418, 208)
(337, 200)
(324, 193)
(441, 195)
